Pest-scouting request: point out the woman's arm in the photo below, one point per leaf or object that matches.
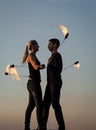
(33, 63)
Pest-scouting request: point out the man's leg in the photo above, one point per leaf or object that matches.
(55, 94)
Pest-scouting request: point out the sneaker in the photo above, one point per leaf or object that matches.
(44, 127)
(27, 129)
(39, 128)
(61, 128)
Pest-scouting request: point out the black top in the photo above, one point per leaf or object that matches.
(34, 74)
(54, 69)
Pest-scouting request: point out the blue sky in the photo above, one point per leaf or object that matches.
(23, 20)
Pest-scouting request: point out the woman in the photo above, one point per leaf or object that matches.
(33, 85)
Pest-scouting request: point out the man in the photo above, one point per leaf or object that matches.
(54, 83)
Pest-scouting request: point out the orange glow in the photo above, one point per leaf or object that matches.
(64, 30)
(12, 71)
(77, 65)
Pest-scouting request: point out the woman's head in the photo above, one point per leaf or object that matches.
(32, 46)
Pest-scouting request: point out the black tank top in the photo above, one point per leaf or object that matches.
(34, 74)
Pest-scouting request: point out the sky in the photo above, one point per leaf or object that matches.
(24, 20)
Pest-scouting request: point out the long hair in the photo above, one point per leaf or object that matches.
(29, 46)
(25, 55)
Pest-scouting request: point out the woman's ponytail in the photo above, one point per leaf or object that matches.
(25, 55)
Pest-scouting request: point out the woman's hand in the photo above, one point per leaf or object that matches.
(42, 66)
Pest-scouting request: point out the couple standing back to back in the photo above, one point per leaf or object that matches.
(53, 87)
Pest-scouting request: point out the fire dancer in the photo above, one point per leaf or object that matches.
(54, 84)
(33, 84)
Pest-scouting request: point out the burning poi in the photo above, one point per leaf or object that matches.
(64, 31)
(11, 70)
(75, 64)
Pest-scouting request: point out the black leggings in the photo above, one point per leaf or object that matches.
(35, 99)
(52, 95)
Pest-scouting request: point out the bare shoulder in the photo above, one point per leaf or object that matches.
(30, 58)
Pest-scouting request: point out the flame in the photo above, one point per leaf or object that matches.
(7, 70)
(14, 73)
(64, 30)
(77, 65)
(11, 70)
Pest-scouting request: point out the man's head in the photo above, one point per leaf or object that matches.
(53, 44)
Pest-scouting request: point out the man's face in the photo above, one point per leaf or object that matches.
(50, 46)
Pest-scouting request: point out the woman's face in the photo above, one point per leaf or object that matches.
(36, 47)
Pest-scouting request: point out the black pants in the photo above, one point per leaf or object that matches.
(52, 95)
(35, 99)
